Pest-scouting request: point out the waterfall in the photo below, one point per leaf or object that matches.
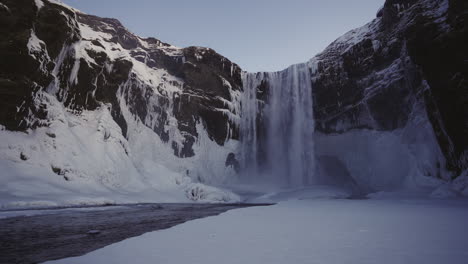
(248, 135)
(277, 129)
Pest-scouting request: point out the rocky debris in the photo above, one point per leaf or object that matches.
(23, 156)
(232, 162)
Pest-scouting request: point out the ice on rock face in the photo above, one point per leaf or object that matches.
(284, 155)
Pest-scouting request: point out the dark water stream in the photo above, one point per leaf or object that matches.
(74, 232)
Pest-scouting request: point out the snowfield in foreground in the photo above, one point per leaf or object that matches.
(307, 231)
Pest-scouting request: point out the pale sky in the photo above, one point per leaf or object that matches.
(259, 35)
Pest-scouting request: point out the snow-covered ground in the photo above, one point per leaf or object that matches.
(386, 230)
(83, 159)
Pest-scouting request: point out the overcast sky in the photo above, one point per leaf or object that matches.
(259, 35)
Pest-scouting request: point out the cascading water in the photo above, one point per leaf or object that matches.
(277, 129)
(248, 124)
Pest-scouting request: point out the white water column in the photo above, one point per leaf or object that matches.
(288, 125)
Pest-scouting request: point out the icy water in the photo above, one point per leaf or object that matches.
(75, 232)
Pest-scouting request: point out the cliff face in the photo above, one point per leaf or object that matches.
(373, 76)
(85, 100)
(389, 99)
(85, 61)
(155, 104)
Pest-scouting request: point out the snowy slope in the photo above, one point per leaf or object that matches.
(82, 160)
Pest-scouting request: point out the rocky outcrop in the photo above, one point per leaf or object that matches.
(100, 114)
(87, 61)
(412, 52)
(440, 53)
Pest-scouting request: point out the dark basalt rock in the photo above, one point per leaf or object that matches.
(393, 10)
(208, 77)
(442, 57)
(20, 74)
(418, 48)
(340, 89)
(231, 161)
(204, 72)
(56, 26)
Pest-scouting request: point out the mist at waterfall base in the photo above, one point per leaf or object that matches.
(278, 127)
(281, 152)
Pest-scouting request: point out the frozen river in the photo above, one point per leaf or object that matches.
(317, 231)
(34, 236)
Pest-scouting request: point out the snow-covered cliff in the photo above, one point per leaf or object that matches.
(92, 110)
(91, 113)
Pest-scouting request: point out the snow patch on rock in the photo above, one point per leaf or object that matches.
(39, 4)
(202, 193)
(35, 45)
